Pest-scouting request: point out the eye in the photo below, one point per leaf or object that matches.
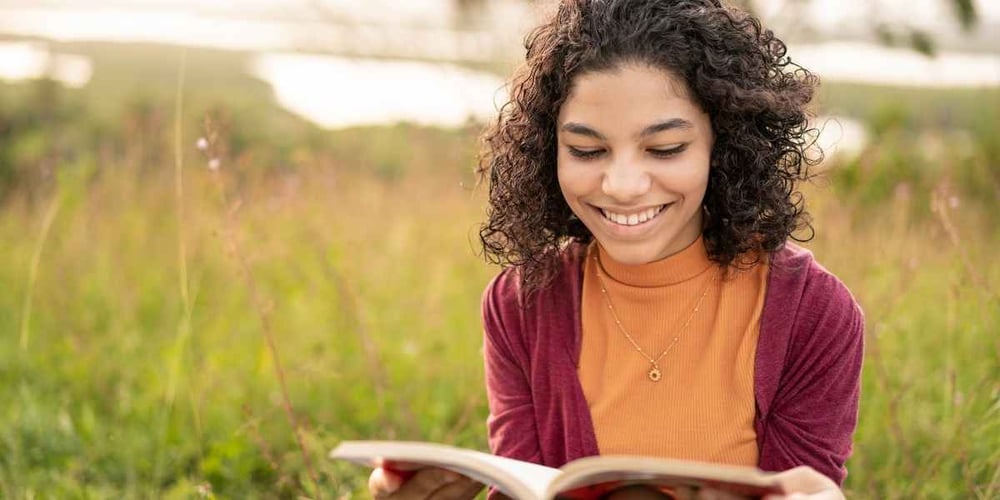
(668, 152)
(585, 154)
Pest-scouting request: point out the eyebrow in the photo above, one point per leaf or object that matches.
(670, 124)
(580, 129)
(673, 123)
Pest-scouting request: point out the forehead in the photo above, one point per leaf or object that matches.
(628, 94)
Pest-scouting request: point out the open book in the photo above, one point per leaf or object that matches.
(586, 478)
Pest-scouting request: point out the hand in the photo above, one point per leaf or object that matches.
(804, 483)
(800, 483)
(385, 483)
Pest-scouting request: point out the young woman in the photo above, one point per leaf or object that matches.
(642, 195)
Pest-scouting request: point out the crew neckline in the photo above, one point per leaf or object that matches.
(687, 264)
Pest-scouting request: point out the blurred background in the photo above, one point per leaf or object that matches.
(235, 233)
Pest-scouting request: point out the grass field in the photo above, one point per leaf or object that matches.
(143, 306)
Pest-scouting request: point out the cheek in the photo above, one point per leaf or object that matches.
(695, 179)
(700, 182)
(566, 188)
(572, 181)
(561, 177)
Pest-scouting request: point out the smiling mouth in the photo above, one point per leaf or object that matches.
(634, 219)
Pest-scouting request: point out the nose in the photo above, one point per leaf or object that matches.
(626, 181)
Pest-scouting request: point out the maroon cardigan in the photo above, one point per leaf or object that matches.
(806, 374)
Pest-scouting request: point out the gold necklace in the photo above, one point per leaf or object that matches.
(654, 372)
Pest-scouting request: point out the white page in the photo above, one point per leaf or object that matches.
(534, 478)
(537, 477)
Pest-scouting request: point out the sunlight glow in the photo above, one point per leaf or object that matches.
(29, 60)
(869, 63)
(337, 92)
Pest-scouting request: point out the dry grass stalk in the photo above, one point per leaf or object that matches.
(261, 305)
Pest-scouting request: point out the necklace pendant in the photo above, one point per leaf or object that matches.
(655, 374)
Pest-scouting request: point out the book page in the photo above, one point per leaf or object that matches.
(515, 478)
(593, 476)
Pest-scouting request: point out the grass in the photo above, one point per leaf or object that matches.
(361, 248)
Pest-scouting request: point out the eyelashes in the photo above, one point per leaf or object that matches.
(585, 154)
(669, 152)
(592, 154)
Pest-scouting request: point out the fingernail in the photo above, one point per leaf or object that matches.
(451, 476)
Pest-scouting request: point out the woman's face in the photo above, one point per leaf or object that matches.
(633, 160)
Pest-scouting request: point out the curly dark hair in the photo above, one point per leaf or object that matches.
(735, 70)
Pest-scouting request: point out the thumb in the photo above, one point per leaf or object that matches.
(383, 482)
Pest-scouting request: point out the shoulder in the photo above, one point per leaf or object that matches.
(796, 276)
(514, 318)
(506, 294)
(818, 308)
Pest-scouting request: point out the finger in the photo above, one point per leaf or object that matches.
(805, 479)
(462, 489)
(424, 483)
(805, 482)
(797, 480)
(382, 483)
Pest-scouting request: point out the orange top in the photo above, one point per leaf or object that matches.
(702, 407)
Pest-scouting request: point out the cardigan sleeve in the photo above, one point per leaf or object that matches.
(511, 423)
(814, 412)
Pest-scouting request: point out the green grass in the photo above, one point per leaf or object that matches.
(87, 398)
(361, 246)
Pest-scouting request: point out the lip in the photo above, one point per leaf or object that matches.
(635, 231)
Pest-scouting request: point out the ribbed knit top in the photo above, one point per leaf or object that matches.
(703, 406)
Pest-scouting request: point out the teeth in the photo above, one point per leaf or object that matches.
(633, 219)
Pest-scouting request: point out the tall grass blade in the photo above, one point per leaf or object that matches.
(36, 258)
